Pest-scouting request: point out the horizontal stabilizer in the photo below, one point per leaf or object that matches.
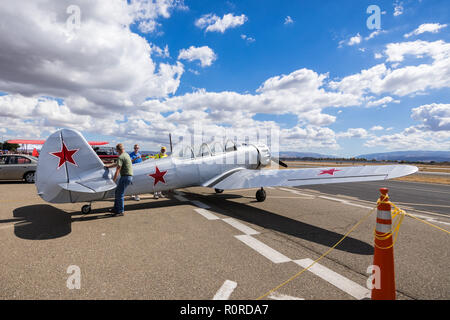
(89, 187)
(246, 179)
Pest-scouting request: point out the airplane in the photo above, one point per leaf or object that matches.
(70, 171)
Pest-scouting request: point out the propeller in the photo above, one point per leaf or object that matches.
(281, 163)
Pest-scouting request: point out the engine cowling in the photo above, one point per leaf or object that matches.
(263, 155)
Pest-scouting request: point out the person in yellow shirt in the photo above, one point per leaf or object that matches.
(160, 155)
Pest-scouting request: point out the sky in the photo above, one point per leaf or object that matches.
(339, 78)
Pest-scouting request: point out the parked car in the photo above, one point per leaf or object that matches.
(106, 154)
(18, 167)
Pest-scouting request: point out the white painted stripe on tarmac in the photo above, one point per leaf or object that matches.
(208, 215)
(240, 226)
(343, 201)
(200, 204)
(332, 199)
(279, 296)
(350, 287)
(296, 192)
(17, 225)
(225, 290)
(263, 249)
(357, 205)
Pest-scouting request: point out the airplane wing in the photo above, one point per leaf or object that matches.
(246, 179)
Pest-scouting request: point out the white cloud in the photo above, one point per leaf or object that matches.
(212, 23)
(438, 50)
(376, 128)
(404, 80)
(101, 62)
(426, 27)
(433, 133)
(205, 54)
(398, 8)
(307, 138)
(374, 34)
(382, 102)
(109, 85)
(299, 80)
(378, 55)
(146, 12)
(435, 117)
(352, 133)
(247, 39)
(288, 20)
(160, 52)
(412, 139)
(355, 40)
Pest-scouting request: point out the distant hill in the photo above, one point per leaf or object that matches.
(421, 156)
(294, 154)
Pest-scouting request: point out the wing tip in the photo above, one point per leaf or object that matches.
(402, 170)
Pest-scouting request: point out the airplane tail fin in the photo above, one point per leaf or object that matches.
(69, 170)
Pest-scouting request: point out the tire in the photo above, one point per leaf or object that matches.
(86, 209)
(29, 177)
(218, 190)
(261, 195)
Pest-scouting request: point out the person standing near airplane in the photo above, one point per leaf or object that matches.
(125, 167)
(161, 154)
(136, 157)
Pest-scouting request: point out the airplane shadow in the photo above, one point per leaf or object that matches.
(276, 222)
(43, 221)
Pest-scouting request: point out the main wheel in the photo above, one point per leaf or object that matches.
(261, 195)
(86, 209)
(218, 190)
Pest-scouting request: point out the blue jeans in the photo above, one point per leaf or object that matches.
(124, 182)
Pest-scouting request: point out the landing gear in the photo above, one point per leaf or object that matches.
(261, 195)
(218, 190)
(86, 209)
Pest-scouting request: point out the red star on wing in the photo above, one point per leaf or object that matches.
(158, 176)
(65, 155)
(331, 171)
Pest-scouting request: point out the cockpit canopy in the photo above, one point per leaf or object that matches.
(184, 151)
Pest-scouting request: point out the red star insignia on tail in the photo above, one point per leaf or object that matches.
(65, 155)
(331, 172)
(158, 176)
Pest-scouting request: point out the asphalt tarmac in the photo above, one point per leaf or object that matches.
(419, 196)
(202, 246)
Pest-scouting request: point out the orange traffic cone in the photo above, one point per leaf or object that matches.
(35, 153)
(383, 256)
